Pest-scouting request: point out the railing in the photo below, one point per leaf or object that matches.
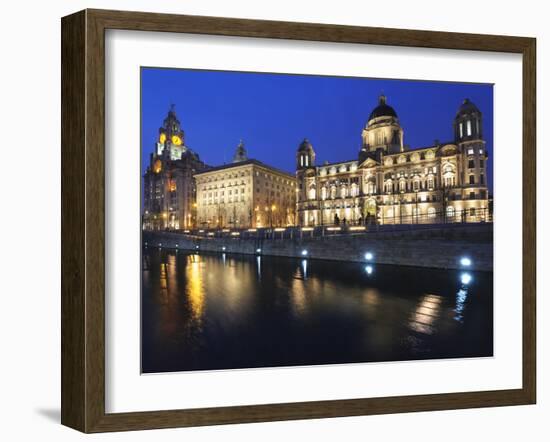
(384, 224)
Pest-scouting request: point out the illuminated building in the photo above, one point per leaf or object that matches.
(168, 184)
(390, 183)
(244, 194)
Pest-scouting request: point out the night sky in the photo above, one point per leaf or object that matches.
(273, 113)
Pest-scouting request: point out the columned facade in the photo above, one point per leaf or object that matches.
(391, 184)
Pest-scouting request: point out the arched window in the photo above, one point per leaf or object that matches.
(312, 193)
(323, 193)
(333, 192)
(344, 191)
(416, 184)
(354, 190)
(388, 188)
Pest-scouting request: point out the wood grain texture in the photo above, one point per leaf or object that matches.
(83, 219)
(73, 256)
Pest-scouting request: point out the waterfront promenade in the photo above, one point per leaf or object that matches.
(432, 246)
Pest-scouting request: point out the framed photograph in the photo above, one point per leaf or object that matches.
(268, 221)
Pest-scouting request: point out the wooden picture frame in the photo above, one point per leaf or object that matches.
(83, 220)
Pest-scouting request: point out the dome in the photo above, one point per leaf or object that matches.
(382, 110)
(467, 108)
(305, 146)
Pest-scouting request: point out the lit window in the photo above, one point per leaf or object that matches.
(470, 151)
(460, 129)
(468, 128)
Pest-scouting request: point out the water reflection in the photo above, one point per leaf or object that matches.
(231, 311)
(461, 297)
(195, 287)
(426, 314)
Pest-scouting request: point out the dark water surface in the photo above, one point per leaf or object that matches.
(202, 312)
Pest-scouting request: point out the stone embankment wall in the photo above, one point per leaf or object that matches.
(440, 247)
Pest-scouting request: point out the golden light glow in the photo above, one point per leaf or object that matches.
(427, 312)
(334, 228)
(162, 138)
(157, 166)
(172, 186)
(357, 228)
(195, 288)
(252, 230)
(307, 229)
(235, 233)
(280, 229)
(176, 140)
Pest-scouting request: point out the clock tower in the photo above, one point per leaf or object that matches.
(171, 139)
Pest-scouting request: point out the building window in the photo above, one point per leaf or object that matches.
(370, 188)
(402, 186)
(470, 151)
(472, 195)
(468, 128)
(416, 185)
(472, 179)
(450, 212)
(482, 179)
(471, 164)
(431, 212)
(481, 162)
(472, 211)
(430, 183)
(460, 130)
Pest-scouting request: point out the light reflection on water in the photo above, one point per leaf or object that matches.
(205, 311)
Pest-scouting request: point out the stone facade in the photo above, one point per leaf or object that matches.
(169, 192)
(245, 194)
(427, 246)
(391, 184)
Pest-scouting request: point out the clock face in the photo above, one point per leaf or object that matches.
(162, 138)
(176, 140)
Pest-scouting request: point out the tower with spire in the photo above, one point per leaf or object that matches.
(168, 183)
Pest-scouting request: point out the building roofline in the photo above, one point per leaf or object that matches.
(245, 163)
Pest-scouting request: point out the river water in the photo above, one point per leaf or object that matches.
(221, 311)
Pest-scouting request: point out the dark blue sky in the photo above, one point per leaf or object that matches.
(273, 113)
